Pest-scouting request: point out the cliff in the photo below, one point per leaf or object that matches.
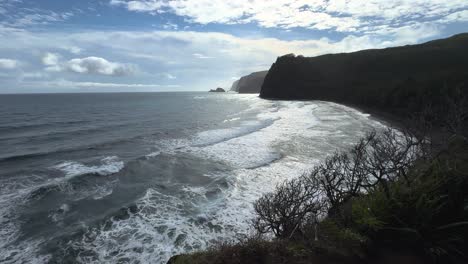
(399, 80)
(235, 86)
(251, 83)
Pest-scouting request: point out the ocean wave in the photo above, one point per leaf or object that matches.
(281, 141)
(31, 155)
(15, 127)
(253, 145)
(215, 136)
(71, 170)
(153, 154)
(65, 131)
(165, 225)
(231, 119)
(109, 165)
(24, 156)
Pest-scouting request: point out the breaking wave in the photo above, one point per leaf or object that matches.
(187, 193)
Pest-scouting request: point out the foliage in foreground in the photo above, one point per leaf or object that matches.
(384, 199)
(385, 192)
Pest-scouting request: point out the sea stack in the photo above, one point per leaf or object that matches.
(218, 90)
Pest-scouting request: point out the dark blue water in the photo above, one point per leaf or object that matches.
(138, 177)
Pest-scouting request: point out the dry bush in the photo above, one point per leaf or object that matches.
(375, 160)
(286, 209)
(389, 156)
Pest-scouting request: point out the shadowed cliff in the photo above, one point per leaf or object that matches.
(251, 83)
(397, 80)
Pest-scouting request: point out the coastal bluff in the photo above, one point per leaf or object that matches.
(251, 83)
(399, 80)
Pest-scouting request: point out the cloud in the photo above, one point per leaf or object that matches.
(169, 76)
(20, 17)
(52, 62)
(73, 84)
(73, 49)
(96, 65)
(180, 53)
(460, 16)
(50, 59)
(89, 65)
(139, 6)
(33, 75)
(170, 26)
(201, 56)
(340, 15)
(8, 64)
(18, 14)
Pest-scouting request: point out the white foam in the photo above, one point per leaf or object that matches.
(102, 192)
(231, 119)
(167, 225)
(218, 135)
(300, 133)
(257, 147)
(153, 154)
(110, 165)
(26, 251)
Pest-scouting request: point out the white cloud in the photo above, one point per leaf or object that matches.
(39, 19)
(460, 16)
(73, 84)
(170, 26)
(139, 6)
(24, 17)
(52, 62)
(88, 65)
(179, 53)
(50, 59)
(73, 49)
(201, 56)
(169, 76)
(8, 64)
(33, 75)
(15, 14)
(96, 65)
(340, 15)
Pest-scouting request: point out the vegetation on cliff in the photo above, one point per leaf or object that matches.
(400, 81)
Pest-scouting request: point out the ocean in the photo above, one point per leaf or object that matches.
(140, 177)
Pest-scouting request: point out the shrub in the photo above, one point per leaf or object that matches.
(428, 215)
(285, 210)
(387, 190)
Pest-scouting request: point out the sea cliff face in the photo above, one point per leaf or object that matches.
(251, 83)
(397, 79)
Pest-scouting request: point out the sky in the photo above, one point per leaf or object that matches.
(49, 46)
